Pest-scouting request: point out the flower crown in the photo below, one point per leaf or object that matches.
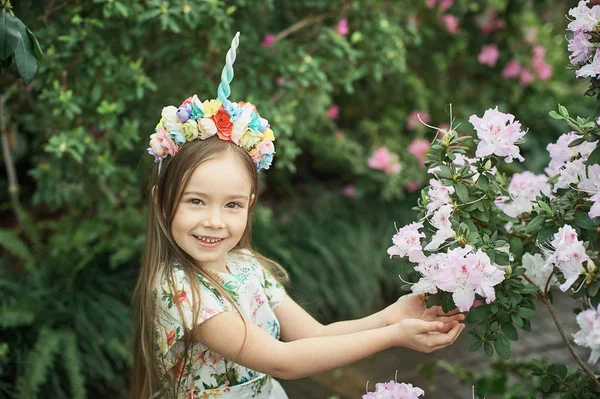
(238, 122)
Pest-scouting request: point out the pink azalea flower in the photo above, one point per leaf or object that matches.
(430, 3)
(268, 40)
(595, 209)
(489, 55)
(498, 133)
(407, 242)
(524, 188)
(441, 221)
(512, 69)
(342, 27)
(280, 80)
(589, 333)
(450, 22)
(591, 185)
(584, 18)
(438, 194)
(339, 134)
(419, 148)
(561, 153)
(580, 47)
(526, 77)
(445, 4)
(592, 69)
(394, 390)
(333, 112)
(413, 119)
(383, 160)
(568, 256)
(349, 191)
(542, 69)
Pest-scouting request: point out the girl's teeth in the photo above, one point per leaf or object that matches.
(209, 240)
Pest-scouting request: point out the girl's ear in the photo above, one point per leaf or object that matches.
(252, 198)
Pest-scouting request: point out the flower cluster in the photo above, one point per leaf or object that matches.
(394, 390)
(498, 134)
(584, 54)
(523, 188)
(568, 255)
(384, 160)
(589, 335)
(239, 123)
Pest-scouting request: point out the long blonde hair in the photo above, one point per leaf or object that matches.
(164, 193)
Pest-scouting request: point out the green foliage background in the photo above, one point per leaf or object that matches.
(79, 130)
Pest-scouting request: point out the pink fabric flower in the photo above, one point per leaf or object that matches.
(498, 133)
(333, 112)
(526, 77)
(489, 55)
(450, 22)
(161, 140)
(349, 191)
(383, 160)
(512, 69)
(268, 40)
(342, 27)
(413, 119)
(419, 148)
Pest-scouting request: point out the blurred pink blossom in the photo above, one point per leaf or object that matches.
(430, 3)
(488, 23)
(512, 69)
(489, 55)
(349, 191)
(280, 80)
(268, 40)
(333, 112)
(450, 22)
(383, 160)
(413, 119)
(531, 34)
(342, 27)
(339, 134)
(542, 70)
(413, 186)
(445, 4)
(526, 77)
(419, 148)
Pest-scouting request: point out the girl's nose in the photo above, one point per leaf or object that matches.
(213, 220)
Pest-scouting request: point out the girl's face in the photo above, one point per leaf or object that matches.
(213, 212)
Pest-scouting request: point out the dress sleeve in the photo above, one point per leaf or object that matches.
(275, 291)
(170, 321)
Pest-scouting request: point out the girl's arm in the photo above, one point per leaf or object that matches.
(256, 349)
(296, 323)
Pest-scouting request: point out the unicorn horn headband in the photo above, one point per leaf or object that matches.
(238, 122)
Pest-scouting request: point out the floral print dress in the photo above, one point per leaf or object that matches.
(207, 374)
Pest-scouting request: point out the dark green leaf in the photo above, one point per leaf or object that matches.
(37, 49)
(10, 34)
(474, 347)
(545, 207)
(594, 157)
(502, 346)
(592, 289)
(462, 192)
(583, 220)
(527, 313)
(546, 233)
(517, 320)
(546, 384)
(576, 142)
(516, 247)
(559, 369)
(483, 181)
(510, 331)
(535, 224)
(479, 314)
(24, 57)
(488, 348)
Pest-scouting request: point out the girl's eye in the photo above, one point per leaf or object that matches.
(196, 201)
(234, 205)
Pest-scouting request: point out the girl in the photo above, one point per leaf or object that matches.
(213, 320)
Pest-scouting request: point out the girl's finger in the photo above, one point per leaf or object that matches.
(450, 337)
(450, 313)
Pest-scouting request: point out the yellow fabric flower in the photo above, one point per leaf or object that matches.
(190, 130)
(211, 107)
(268, 135)
(160, 124)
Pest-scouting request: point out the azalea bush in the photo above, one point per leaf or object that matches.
(491, 244)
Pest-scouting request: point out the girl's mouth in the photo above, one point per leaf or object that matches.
(209, 242)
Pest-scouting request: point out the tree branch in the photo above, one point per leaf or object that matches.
(13, 184)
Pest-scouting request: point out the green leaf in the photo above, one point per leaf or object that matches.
(24, 57)
(546, 233)
(526, 313)
(559, 369)
(479, 314)
(583, 220)
(502, 346)
(576, 142)
(594, 157)
(510, 331)
(474, 347)
(516, 247)
(545, 207)
(517, 320)
(592, 289)
(37, 49)
(535, 224)
(488, 349)
(483, 181)
(10, 35)
(555, 115)
(462, 192)
(563, 111)
(546, 384)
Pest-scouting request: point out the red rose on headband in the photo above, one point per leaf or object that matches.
(223, 123)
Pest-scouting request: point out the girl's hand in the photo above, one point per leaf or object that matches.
(413, 306)
(425, 336)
